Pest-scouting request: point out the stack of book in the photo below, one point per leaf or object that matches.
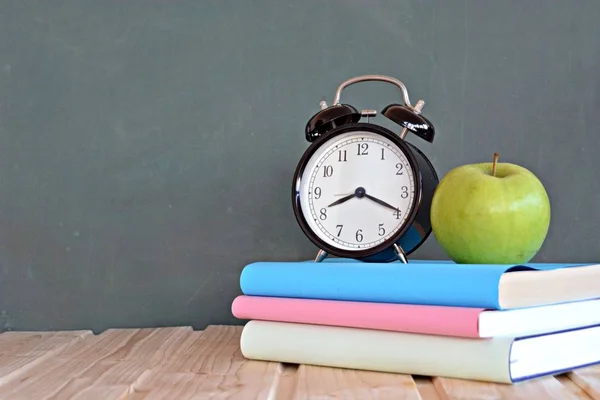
(496, 323)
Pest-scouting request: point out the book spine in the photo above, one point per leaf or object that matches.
(434, 320)
(382, 351)
(378, 283)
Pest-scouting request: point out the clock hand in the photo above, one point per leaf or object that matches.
(342, 200)
(359, 192)
(378, 201)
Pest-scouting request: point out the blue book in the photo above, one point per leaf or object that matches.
(441, 283)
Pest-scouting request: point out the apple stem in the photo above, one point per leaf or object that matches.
(496, 155)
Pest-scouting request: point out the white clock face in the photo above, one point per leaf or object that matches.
(357, 190)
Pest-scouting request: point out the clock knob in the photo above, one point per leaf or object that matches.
(329, 118)
(411, 120)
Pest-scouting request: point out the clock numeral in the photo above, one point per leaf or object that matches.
(340, 229)
(381, 230)
(399, 166)
(382, 153)
(359, 236)
(404, 192)
(323, 215)
(342, 156)
(327, 171)
(362, 149)
(317, 193)
(397, 213)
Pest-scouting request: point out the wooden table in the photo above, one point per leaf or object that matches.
(180, 363)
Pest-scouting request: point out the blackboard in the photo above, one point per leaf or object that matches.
(147, 147)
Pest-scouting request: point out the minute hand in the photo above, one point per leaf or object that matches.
(383, 203)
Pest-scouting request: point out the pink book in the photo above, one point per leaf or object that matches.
(425, 319)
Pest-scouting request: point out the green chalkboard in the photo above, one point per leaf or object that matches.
(147, 147)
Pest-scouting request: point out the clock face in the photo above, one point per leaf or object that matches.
(357, 190)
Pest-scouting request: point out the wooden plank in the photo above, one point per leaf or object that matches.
(152, 344)
(124, 364)
(588, 379)
(107, 359)
(211, 367)
(47, 378)
(115, 373)
(573, 387)
(27, 343)
(426, 388)
(548, 388)
(286, 388)
(114, 392)
(20, 351)
(315, 382)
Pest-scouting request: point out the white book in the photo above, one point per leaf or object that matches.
(504, 359)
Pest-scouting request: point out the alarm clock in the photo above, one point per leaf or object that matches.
(361, 191)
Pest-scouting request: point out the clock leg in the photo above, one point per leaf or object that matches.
(321, 255)
(400, 254)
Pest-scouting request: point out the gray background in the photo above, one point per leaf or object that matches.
(147, 147)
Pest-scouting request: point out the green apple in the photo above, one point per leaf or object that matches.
(490, 213)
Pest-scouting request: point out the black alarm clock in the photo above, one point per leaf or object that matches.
(361, 191)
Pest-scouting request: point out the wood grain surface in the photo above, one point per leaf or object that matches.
(180, 363)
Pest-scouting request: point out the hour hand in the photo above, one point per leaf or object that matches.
(342, 200)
